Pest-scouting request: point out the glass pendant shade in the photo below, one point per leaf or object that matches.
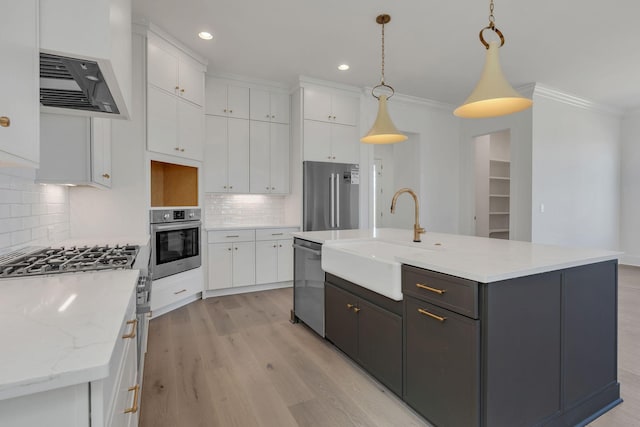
(493, 95)
(383, 130)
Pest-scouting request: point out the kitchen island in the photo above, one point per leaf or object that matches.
(490, 333)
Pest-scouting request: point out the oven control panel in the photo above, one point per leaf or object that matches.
(160, 216)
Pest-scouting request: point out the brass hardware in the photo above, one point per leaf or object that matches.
(235, 249)
(131, 334)
(328, 157)
(267, 116)
(231, 111)
(106, 175)
(233, 235)
(135, 389)
(329, 117)
(5, 121)
(231, 186)
(417, 230)
(277, 234)
(433, 316)
(177, 148)
(273, 117)
(225, 110)
(177, 87)
(182, 150)
(280, 245)
(334, 117)
(492, 27)
(356, 309)
(275, 246)
(179, 292)
(181, 90)
(429, 288)
(224, 186)
(350, 306)
(266, 188)
(228, 249)
(273, 188)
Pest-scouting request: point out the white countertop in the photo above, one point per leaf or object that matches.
(44, 347)
(475, 258)
(213, 227)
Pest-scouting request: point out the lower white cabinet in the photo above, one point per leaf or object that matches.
(274, 258)
(109, 402)
(170, 291)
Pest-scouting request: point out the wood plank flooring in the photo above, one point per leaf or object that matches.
(237, 361)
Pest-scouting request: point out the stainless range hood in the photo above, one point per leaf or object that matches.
(85, 63)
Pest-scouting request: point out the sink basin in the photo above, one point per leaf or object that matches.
(371, 264)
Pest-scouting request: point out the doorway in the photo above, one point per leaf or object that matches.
(493, 184)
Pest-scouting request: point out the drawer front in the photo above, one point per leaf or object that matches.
(168, 290)
(227, 236)
(275, 233)
(453, 293)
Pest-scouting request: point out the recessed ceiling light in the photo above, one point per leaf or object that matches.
(343, 67)
(205, 35)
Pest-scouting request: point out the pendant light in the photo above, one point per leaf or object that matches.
(383, 130)
(493, 95)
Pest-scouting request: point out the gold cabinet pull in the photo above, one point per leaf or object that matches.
(350, 306)
(106, 175)
(5, 121)
(429, 288)
(356, 309)
(131, 334)
(135, 389)
(433, 316)
(179, 292)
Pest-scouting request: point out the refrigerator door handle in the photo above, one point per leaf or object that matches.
(333, 210)
(337, 200)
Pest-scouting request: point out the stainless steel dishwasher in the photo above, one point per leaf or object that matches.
(308, 285)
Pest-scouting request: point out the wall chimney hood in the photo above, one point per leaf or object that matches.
(85, 57)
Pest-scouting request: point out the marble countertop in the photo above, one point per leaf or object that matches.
(475, 258)
(60, 330)
(213, 227)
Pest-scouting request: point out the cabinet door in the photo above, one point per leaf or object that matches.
(215, 97)
(380, 344)
(220, 265)
(285, 260)
(266, 261)
(345, 109)
(238, 133)
(101, 151)
(162, 126)
(260, 104)
(191, 80)
(317, 141)
(345, 144)
(19, 83)
(259, 157)
(191, 130)
(66, 150)
(441, 364)
(124, 398)
(341, 319)
(162, 64)
(280, 108)
(238, 102)
(317, 105)
(279, 158)
(244, 263)
(215, 155)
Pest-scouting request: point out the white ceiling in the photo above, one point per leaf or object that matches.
(582, 47)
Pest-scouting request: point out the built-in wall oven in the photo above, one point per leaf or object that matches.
(175, 241)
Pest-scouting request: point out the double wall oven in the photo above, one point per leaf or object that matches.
(175, 241)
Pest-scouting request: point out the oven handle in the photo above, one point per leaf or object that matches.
(304, 248)
(179, 226)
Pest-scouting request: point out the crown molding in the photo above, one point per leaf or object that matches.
(250, 81)
(573, 100)
(306, 81)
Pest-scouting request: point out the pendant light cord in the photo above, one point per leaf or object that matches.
(382, 81)
(382, 19)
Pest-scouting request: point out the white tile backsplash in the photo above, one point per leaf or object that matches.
(243, 209)
(30, 213)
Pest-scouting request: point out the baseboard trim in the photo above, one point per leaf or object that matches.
(211, 293)
(630, 260)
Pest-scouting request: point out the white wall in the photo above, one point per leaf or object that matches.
(630, 189)
(576, 175)
(437, 130)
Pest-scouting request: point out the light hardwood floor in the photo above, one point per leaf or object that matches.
(237, 361)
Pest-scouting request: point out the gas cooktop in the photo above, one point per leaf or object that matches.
(39, 261)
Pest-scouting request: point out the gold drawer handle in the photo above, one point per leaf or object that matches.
(5, 122)
(433, 316)
(131, 334)
(179, 292)
(349, 306)
(106, 175)
(429, 288)
(135, 389)
(356, 309)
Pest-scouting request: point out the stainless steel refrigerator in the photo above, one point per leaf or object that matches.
(331, 196)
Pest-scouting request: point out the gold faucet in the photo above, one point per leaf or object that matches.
(417, 230)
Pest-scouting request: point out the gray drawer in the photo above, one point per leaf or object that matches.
(453, 293)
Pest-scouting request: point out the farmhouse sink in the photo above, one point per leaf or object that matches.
(371, 264)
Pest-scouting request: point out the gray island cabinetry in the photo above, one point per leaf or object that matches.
(533, 350)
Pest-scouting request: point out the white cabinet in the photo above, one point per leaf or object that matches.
(173, 71)
(274, 258)
(331, 106)
(227, 100)
(231, 258)
(171, 291)
(269, 106)
(269, 158)
(329, 142)
(226, 155)
(19, 84)
(174, 126)
(75, 150)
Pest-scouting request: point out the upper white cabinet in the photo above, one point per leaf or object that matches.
(173, 71)
(19, 84)
(228, 100)
(269, 158)
(175, 95)
(328, 142)
(269, 106)
(226, 155)
(75, 150)
(333, 106)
